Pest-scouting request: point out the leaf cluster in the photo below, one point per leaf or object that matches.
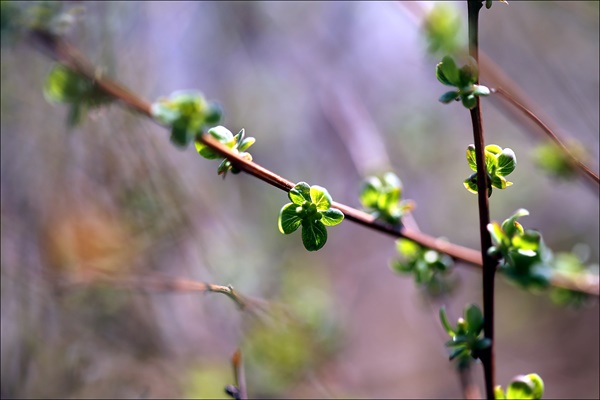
(238, 144)
(311, 209)
(381, 198)
(498, 164)
(529, 386)
(188, 114)
(554, 161)
(466, 340)
(64, 85)
(524, 258)
(429, 268)
(464, 79)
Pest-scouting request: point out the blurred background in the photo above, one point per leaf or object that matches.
(333, 92)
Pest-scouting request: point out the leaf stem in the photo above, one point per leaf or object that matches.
(68, 55)
(489, 264)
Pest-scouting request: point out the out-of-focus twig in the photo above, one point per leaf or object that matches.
(572, 159)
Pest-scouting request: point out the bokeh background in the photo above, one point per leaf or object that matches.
(333, 91)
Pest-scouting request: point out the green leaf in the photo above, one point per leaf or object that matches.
(446, 323)
(510, 226)
(222, 134)
(494, 149)
(521, 387)
(246, 143)
(65, 86)
(449, 97)
(206, 151)
(314, 235)
(507, 161)
(491, 162)
(538, 385)
(300, 193)
(288, 220)
(407, 248)
(498, 392)
(471, 157)
(332, 217)
(447, 72)
(320, 197)
(469, 101)
(471, 183)
(474, 319)
(180, 134)
(498, 235)
(213, 114)
(370, 192)
(468, 74)
(499, 182)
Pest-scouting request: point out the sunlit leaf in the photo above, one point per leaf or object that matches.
(289, 220)
(332, 217)
(314, 235)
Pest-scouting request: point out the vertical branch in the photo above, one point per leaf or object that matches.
(489, 264)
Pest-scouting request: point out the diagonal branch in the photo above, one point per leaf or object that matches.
(572, 159)
(65, 53)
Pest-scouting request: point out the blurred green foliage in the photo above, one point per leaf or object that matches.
(524, 387)
(381, 197)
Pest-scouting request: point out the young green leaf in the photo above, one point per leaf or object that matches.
(314, 235)
(289, 220)
(332, 217)
(507, 162)
(449, 97)
(320, 197)
(447, 72)
(300, 193)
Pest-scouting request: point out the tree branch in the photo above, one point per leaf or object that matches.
(489, 263)
(65, 53)
(572, 159)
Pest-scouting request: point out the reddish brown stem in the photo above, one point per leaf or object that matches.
(489, 264)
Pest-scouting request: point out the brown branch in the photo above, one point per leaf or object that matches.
(572, 159)
(65, 53)
(149, 283)
(489, 263)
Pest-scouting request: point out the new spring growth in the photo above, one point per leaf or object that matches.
(466, 340)
(311, 209)
(238, 144)
(498, 164)
(381, 197)
(187, 113)
(463, 79)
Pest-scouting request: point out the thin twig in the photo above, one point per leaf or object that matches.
(65, 53)
(240, 377)
(572, 159)
(489, 263)
(150, 283)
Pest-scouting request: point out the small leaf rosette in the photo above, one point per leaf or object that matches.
(498, 163)
(187, 113)
(238, 144)
(64, 85)
(311, 209)
(464, 79)
(466, 340)
(524, 258)
(381, 197)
